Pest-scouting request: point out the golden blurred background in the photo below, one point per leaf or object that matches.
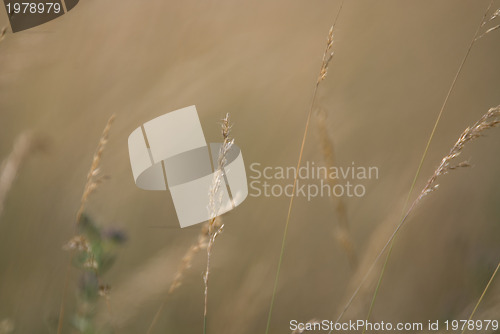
(259, 61)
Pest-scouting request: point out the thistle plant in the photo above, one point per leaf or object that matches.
(95, 254)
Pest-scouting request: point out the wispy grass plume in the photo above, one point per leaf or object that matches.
(429, 141)
(489, 120)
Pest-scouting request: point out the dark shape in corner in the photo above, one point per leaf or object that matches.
(26, 14)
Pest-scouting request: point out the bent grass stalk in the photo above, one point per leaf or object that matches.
(489, 120)
(424, 155)
(327, 57)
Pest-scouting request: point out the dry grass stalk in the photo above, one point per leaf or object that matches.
(209, 231)
(215, 227)
(342, 232)
(187, 259)
(3, 32)
(24, 145)
(93, 177)
(483, 294)
(489, 120)
(79, 241)
(484, 20)
(494, 16)
(185, 264)
(327, 57)
(490, 30)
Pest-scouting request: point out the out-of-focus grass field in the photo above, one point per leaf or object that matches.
(394, 62)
